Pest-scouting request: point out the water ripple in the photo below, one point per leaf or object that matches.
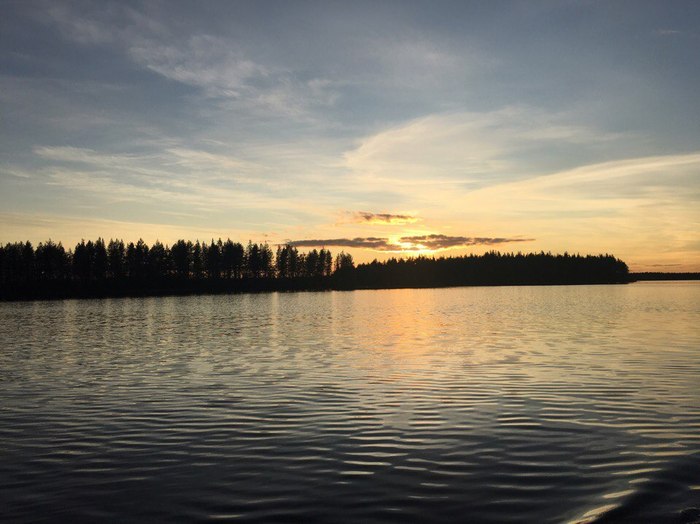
(532, 404)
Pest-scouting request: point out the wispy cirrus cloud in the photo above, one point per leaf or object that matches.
(168, 163)
(631, 182)
(167, 176)
(218, 65)
(467, 146)
(667, 32)
(203, 61)
(221, 70)
(433, 242)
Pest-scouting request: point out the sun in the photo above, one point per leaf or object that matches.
(411, 248)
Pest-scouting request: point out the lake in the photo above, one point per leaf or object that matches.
(481, 404)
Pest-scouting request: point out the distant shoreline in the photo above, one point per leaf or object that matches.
(204, 289)
(664, 276)
(69, 291)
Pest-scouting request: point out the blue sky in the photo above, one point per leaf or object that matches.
(434, 127)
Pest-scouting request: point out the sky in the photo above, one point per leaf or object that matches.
(383, 129)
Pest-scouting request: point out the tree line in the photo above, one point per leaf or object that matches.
(115, 268)
(493, 268)
(97, 261)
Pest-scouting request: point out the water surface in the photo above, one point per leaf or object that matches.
(501, 404)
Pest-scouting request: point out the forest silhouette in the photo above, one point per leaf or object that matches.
(100, 269)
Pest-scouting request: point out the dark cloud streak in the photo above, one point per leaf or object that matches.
(359, 242)
(383, 218)
(446, 242)
(431, 242)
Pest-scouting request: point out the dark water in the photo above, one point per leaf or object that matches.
(510, 404)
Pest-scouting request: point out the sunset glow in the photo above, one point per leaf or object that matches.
(548, 127)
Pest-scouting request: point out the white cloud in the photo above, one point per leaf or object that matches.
(221, 70)
(16, 172)
(464, 146)
(198, 159)
(106, 24)
(167, 164)
(620, 178)
(667, 32)
(204, 61)
(217, 65)
(411, 62)
(197, 179)
(76, 27)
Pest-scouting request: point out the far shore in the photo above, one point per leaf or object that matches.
(664, 276)
(273, 286)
